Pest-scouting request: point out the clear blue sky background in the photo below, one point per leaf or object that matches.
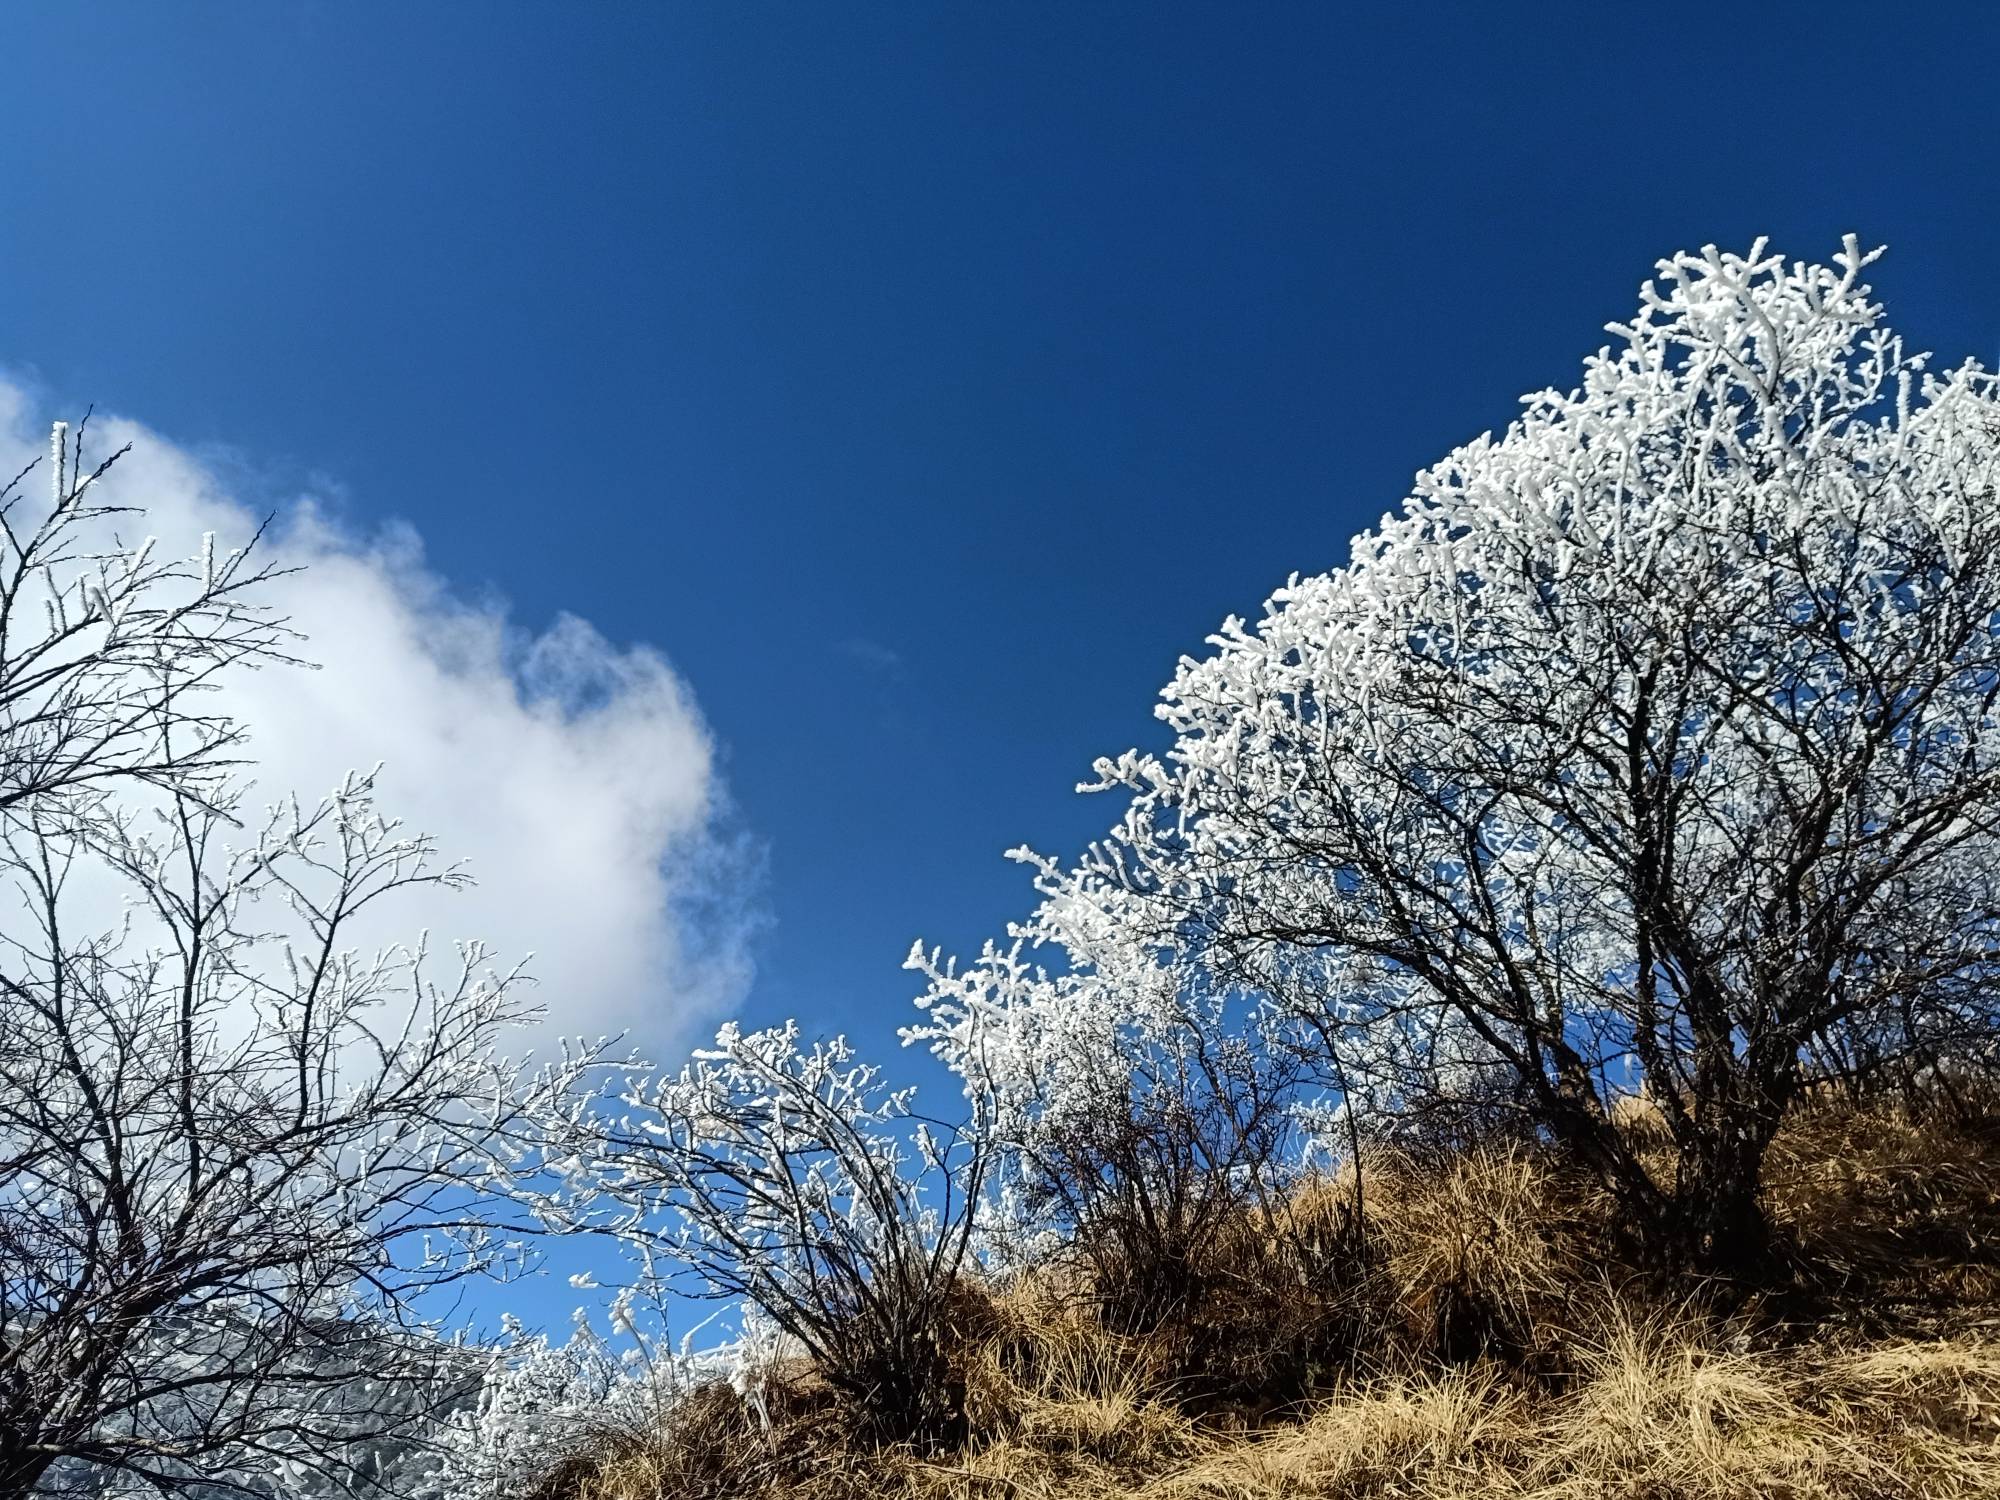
(924, 379)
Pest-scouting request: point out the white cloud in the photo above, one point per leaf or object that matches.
(576, 779)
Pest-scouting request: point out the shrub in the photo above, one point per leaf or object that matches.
(790, 1178)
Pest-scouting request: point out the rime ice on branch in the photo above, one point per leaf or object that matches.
(237, 1152)
(1653, 740)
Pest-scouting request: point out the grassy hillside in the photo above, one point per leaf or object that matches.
(1474, 1327)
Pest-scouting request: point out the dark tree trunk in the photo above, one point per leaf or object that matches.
(904, 1392)
(1719, 1224)
(20, 1469)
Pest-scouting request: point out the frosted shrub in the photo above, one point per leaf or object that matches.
(791, 1178)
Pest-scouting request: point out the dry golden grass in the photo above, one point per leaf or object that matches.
(1903, 1207)
(1491, 1254)
(1503, 1354)
(1657, 1412)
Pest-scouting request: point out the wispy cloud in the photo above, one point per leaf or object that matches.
(873, 655)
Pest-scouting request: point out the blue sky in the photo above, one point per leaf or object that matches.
(921, 380)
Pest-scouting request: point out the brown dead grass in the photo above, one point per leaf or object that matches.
(1495, 1254)
(1892, 1210)
(1494, 1347)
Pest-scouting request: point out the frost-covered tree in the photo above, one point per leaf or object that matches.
(1130, 1112)
(238, 1149)
(1655, 739)
(540, 1405)
(791, 1178)
(104, 644)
